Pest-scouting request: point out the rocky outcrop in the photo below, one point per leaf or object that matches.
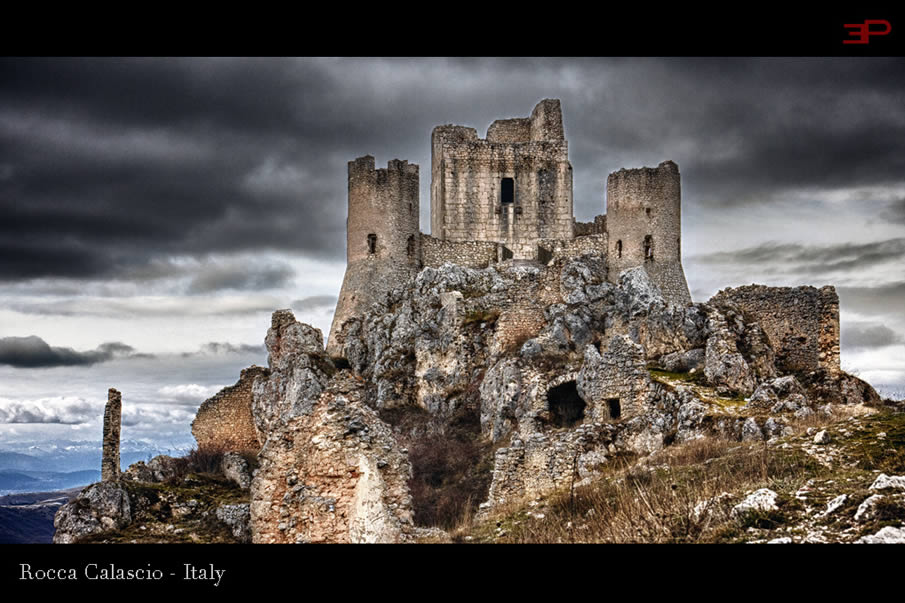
(330, 469)
(98, 508)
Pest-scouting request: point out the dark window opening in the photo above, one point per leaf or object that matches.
(679, 246)
(565, 404)
(648, 247)
(372, 243)
(614, 407)
(507, 190)
(410, 246)
(647, 211)
(619, 249)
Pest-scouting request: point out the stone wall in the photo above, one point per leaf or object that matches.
(517, 324)
(473, 254)
(467, 174)
(226, 419)
(644, 224)
(801, 323)
(614, 384)
(550, 249)
(383, 245)
(597, 226)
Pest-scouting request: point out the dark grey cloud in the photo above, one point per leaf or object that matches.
(313, 302)
(868, 335)
(244, 278)
(812, 260)
(107, 165)
(34, 352)
(883, 299)
(895, 212)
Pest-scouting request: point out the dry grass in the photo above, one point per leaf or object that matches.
(207, 460)
(662, 499)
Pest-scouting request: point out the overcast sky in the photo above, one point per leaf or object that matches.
(156, 211)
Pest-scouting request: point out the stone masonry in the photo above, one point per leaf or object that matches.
(110, 468)
(226, 420)
(505, 196)
(802, 323)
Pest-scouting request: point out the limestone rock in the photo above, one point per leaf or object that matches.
(238, 519)
(236, 469)
(867, 509)
(295, 352)
(760, 500)
(886, 482)
(724, 366)
(888, 535)
(334, 474)
(822, 437)
(159, 469)
(98, 508)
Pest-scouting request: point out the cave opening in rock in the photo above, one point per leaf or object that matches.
(565, 404)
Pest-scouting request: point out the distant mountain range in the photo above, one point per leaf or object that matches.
(28, 518)
(32, 481)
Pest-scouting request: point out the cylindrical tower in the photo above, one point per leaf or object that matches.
(383, 243)
(644, 226)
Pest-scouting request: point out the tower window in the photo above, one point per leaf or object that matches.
(410, 246)
(507, 190)
(614, 408)
(647, 211)
(372, 243)
(648, 247)
(619, 248)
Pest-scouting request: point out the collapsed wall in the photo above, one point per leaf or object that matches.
(225, 420)
(802, 323)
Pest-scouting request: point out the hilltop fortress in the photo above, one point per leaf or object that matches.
(511, 354)
(506, 196)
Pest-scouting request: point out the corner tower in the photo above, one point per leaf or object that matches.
(644, 227)
(383, 246)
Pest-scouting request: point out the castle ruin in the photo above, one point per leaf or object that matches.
(505, 196)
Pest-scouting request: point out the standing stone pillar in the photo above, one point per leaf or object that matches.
(112, 418)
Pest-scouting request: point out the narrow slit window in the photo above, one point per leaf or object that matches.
(507, 190)
(410, 246)
(648, 247)
(372, 243)
(619, 248)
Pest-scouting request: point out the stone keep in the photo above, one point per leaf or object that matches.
(513, 187)
(110, 468)
(508, 195)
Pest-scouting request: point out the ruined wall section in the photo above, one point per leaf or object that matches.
(596, 226)
(801, 323)
(644, 224)
(467, 182)
(226, 419)
(472, 254)
(383, 244)
(552, 249)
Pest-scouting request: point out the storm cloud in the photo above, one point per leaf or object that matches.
(34, 352)
(812, 259)
(110, 164)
